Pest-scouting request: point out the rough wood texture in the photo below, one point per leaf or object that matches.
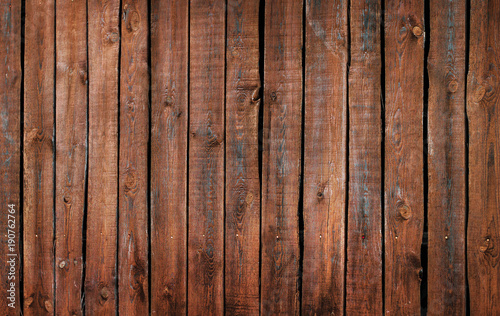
(404, 207)
(280, 290)
(71, 152)
(39, 158)
(483, 233)
(169, 119)
(10, 154)
(104, 45)
(242, 241)
(446, 163)
(133, 174)
(364, 239)
(325, 169)
(206, 158)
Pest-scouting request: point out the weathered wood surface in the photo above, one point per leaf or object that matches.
(364, 295)
(326, 55)
(446, 159)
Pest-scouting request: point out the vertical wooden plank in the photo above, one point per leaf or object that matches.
(133, 176)
(281, 157)
(206, 157)
(404, 209)
(39, 158)
(169, 93)
(242, 240)
(364, 241)
(10, 161)
(104, 44)
(324, 156)
(71, 152)
(446, 163)
(483, 233)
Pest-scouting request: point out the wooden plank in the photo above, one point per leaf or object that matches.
(364, 239)
(169, 82)
(325, 157)
(446, 163)
(71, 152)
(39, 158)
(133, 165)
(483, 233)
(206, 158)
(10, 161)
(404, 195)
(281, 157)
(242, 240)
(104, 45)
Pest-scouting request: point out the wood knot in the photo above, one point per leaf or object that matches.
(29, 301)
(62, 264)
(83, 76)
(48, 306)
(104, 293)
(404, 211)
(169, 101)
(452, 86)
(241, 97)
(485, 246)
(417, 31)
(67, 200)
(133, 21)
(274, 96)
(113, 37)
(319, 194)
(479, 93)
(249, 198)
(130, 182)
(256, 94)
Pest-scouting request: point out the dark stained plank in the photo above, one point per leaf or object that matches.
(206, 158)
(242, 240)
(404, 193)
(325, 157)
(446, 160)
(71, 152)
(364, 239)
(101, 266)
(10, 154)
(169, 119)
(133, 165)
(281, 157)
(483, 233)
(38, 214)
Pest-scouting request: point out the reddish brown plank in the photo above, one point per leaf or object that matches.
(133, 165)
(404, 195)
(446, 162)
(104, 45)
(242, 240)
(325, 157)
(206, 157)
(281, 157)
(483, 233)
(71, 152)
(364, 239)
(10, 161)
(169, 75)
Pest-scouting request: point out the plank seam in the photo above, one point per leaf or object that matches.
(119, 68)
(261, 132)
(382, 144)
(188, 125)
(21, 160)
(466, 121)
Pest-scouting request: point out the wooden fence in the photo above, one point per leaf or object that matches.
(315, 157)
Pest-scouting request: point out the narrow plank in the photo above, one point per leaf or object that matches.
(71, 152)
(39, 158)
(101, 266)
(404, 209)
(206, 158)
(10, 162)
(446, 162)
(325, 157)
(133, 165)
(281, 157)
(242, 240)
(364, 239)
(169, 119)
(483, 233)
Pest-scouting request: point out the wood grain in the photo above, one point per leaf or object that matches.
(169, 122)
(325, 156)
(242, 234)
(446, 163)
(280, 286)
(483, 233)
(38, 214)
(133, 165)
(364, 239)
(10, 153)
(101, 266)
(206, 158)
(404, 195)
